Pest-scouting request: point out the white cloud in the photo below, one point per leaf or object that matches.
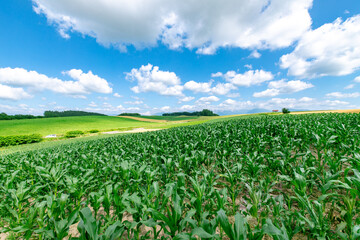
(357, 79)
(218, 74)
(306, 99)
(330, 50)
(343, 95)
(233, 95)
(103, 98)
(203, 87)
(165, 108)
(134, 102)
(248, 66)
(117, 95)
(187, 107)
(255, 54)
(350, 86)
(84, 83)
(222, 88)
(92, 104)
(203, 25)
(150, 79)
(89, 81)
(271, 92)
(282, 86)
(186, 99)
(11, 93)
(249, 78)
(208, 99)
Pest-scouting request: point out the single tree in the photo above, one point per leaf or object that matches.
(285, 110)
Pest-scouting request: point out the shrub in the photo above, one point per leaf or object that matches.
(19, 139)
(94, 131)
(285, 110)
(73, 134)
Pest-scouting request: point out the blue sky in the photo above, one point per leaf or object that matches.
(150, 56)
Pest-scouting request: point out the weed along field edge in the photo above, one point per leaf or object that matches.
(255, 177)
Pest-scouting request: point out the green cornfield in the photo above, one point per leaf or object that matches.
(268, 177)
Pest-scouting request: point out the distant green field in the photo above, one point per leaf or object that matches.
(170, 118)
(61, 125)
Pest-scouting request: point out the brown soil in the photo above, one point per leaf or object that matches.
(144, 119)
(135, 130)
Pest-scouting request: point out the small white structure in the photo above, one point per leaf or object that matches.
(51, 136)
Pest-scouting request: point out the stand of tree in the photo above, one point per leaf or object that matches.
(204, 112)
(4, 116)
(49, 114)
(130, 114)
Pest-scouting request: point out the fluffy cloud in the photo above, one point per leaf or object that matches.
(255, 54)
(330, 50)
(203, 25)
(206, 87)
(343, 95)
(272, 92)
(357, 79)
(281, 86)
(247, 79)
(117, 95)
(134, 102)
(82, 83)
(92, 104)
(222, 88)
(150, 79)
(197, 87)
(10, 93)
(207, 100)
(186, 99)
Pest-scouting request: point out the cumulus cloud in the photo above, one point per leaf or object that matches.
(282, 86)
(134, 102)
(82, 83)
(222, 88)
(198, 87)
(272, 92)
(357, 79)
(206, 87)
(165, 108)
(330, 50)
(207, 100)
(186, 99)
(150, 79)
(117, 95)
(247, 79)
(11, 93)
(255, 54)
(203, 25)
(343, 95)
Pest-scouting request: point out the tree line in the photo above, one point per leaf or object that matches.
(204, 112)
(49, 114)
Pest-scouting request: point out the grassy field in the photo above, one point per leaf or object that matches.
(46, 126)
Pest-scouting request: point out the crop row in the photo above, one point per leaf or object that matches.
(279, 177)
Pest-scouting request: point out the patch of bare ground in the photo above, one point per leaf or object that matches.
(144, 119)
(3, 236)
(135, 130)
